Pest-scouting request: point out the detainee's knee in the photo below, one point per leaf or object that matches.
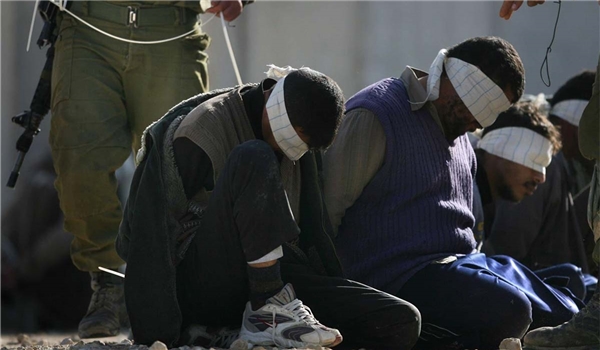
(253, 152)
(393, 327)
(515, 317)
(404, 333)
(252, 148)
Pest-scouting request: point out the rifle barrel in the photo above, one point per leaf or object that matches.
(14, 175)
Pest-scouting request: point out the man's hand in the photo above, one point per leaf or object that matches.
(510, 6)
(230, 9)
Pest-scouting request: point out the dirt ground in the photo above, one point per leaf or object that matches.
(70, 341)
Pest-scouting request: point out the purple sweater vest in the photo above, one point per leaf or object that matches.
(417, 208)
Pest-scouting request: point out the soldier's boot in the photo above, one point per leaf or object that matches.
(106, 312)
(582, 332)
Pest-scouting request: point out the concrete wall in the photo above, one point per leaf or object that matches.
(356, 43)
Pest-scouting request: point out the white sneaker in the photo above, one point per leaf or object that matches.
(285, 322)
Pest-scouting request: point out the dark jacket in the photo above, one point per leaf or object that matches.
(149, 236)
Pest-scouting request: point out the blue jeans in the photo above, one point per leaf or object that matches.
(477, 301)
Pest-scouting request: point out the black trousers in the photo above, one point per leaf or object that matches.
(247, 217)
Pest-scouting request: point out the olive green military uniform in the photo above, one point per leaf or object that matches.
(104, 94)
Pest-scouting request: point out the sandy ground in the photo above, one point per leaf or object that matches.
(45, 341)
(70, 341)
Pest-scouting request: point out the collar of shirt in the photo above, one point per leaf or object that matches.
(418, 93)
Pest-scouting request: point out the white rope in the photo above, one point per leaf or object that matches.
(111, 271)
(233, 61)
(37, 2)
(60, 3)
(151, 42)
(61, 6)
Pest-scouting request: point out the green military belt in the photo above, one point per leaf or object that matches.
(133, 15)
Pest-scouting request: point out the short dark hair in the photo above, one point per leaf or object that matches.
(496, 58)
(527, 115)
(578, 87)
(315, 103)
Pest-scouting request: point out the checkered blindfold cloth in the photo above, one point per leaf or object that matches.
(284, 133)
(520, 145)
(484, 99)
(569, 110)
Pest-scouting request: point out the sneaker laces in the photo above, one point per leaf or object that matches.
(297, 308)
(302, 311)
(273, 325)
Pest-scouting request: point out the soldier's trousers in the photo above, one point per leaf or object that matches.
(104, 94)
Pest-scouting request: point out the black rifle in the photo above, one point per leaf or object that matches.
(40, 104)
